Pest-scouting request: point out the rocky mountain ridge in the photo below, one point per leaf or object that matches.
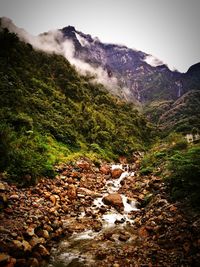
(139, 75)
(143, 79)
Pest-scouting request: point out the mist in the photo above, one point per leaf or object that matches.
(53, 41)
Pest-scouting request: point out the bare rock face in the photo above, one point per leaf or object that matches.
(116, 173)
(115, 200)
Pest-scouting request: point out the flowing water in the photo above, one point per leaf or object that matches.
(76, 250)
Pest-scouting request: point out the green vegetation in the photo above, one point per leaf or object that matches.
(180, 116)
(50, 114)
(184, 177)
(179, 164)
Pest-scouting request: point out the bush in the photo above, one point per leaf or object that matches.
(146, 171)
(184, 177)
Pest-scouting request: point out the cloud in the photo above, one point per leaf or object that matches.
(153, 61)
(54, 42)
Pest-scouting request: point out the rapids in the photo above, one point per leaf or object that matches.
(76, 250)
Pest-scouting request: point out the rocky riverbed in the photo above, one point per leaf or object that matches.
(95, 216)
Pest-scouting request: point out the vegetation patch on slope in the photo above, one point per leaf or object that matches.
(49, 112)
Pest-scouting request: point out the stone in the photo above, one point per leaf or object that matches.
(105, 169)
(116, 173)
(2, 187)
(12, 262)
(72, 192)
(85, 191)
(26, 245)
(53, 199)
(83, 164)
(14, 197)
(4, 258)
(30, 231)
(35, 240)
(33, 262)
(18, 244)
(143, 232)
(124, 237)
(115, 200)
(43, 251)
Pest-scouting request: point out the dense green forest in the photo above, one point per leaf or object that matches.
(49, 113)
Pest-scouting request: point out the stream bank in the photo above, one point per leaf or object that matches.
(93, 231)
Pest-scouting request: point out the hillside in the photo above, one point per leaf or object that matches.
(48, 112)
(143, 78)
(129, 74)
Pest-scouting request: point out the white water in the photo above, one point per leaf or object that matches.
(70, 251)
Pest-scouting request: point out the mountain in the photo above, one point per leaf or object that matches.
(49, 113)
(137, 78)
(143, 78)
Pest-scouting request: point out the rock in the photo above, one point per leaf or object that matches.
(18, 244)
(45, 234)
(4, 258)
(83, 164)
(72, 192)
(85, 191)
(124, 237)
(2, 187)
(14, 197)
(33, 262)
(53, 199)
(26, 245)
(143, 232)
(35, 240)
(116, 173)
(43, 251)
(22, 245)
(105, 169)
(3, 200)
(4, 230)
(30, 231)
(12, 262)
(115, 200)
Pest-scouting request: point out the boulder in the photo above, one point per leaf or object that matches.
(84, 165)
(116, 173)
(72, 192)
(4, 258)
(2, 187)
(105, 169)
(43, 251)
(115, 200)
(87, 192)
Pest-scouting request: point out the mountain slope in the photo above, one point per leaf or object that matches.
(48, 109)
(136, 78)
(143, 78)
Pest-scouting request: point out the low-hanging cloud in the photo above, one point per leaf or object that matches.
(54, 42)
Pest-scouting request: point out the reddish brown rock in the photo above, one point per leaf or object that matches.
(143, 232)
(114, 200)
(83, 164)
(116, 173)
(4, 258)
(105, 169)
(72, 192)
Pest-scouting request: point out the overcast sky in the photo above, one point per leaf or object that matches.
(167, 29)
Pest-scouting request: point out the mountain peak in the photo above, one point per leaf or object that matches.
(69, 28)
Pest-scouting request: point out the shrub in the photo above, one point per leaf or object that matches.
(184, 176)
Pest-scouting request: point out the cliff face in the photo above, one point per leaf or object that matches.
(139, 75)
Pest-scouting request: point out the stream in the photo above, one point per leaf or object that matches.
(77, 250)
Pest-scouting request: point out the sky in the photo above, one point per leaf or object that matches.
(166, 29)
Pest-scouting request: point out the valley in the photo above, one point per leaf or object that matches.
(99, 154)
